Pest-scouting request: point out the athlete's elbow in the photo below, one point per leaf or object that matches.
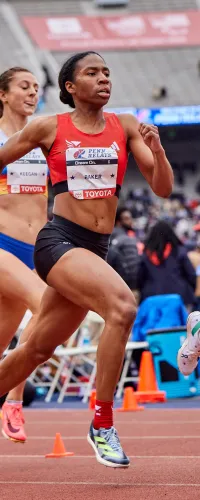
(166, 193)
(163, 188)
(163, 191)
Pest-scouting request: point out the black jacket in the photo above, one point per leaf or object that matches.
(174, 275)
(123, 257)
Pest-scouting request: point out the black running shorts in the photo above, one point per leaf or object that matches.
(61, 235)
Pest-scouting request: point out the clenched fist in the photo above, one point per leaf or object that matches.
(151, 137)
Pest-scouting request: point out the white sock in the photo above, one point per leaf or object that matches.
(13, 402)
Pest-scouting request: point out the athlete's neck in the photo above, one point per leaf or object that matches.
(88, 120)
(11, 122)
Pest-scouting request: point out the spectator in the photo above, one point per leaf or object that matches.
(124, 258)
(123, 223)
(123, 254)
(48, 82)
(165, 267)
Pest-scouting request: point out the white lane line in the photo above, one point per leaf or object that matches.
(84, 412)
(130, 438)
(124, 422)
(140, 457)
(93, 483)
(80, 410)
(58, 410)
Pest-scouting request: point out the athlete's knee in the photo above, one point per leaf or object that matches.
(35, 297)
(127, 311)
(123, 312)
(34, 303)
(37, 352)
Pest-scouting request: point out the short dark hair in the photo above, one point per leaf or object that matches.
(120, 211)
(5, 79)
(67, 73)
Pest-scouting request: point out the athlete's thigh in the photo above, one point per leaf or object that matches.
(57, 320)
(88, 281)
(18, 282)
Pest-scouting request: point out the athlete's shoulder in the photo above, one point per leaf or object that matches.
(44, 122)
(121, 120)
(39, 130)
(128, 119)
(129, 123)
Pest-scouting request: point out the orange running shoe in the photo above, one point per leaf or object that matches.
(13, 422)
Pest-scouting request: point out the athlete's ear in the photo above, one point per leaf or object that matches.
(3, 96)
(70, 87)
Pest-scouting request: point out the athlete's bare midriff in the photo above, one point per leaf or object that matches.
(22, 216)
(96, 215)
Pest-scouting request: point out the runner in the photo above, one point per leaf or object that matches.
(23, 211)
(189, 352)
(87, 153)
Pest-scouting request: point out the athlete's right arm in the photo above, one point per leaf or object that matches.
(35, 134)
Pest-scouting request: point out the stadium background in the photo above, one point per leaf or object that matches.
(158, 80)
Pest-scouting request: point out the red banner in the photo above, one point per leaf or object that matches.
(139, 31)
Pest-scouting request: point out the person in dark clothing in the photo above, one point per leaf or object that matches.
(123, 253)
(48, 82)
(123, 223)
(124, 258)
(165, 267)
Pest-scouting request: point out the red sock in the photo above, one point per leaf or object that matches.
(103, 416)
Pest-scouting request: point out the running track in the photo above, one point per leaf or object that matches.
(163, 444)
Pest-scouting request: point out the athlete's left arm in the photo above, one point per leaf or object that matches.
(144, 143)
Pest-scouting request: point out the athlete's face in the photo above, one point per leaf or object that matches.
(91, 81)
(22, 95)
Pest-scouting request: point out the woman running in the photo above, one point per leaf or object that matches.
(87, 152)
(23, 211)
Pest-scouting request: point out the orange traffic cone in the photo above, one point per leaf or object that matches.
(147, 391)
(59, 449)
(130, 401)
(92, 400)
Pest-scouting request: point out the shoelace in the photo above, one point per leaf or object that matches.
(17, 417)
(112, 437)
(191, 355)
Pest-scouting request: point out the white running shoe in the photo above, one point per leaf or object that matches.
(189, 353)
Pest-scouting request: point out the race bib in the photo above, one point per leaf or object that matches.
(91, 172)
(28, 175)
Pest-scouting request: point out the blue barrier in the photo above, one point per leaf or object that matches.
(164, 345)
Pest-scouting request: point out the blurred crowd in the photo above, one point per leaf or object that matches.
(155, 245)
(180, 212)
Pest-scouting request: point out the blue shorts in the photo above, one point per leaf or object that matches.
(23, 251)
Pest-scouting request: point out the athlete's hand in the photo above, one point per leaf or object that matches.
(151, 137)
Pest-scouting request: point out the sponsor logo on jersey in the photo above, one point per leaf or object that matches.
(79, 153)
(115, 146)
(72, 144)
(19, 189)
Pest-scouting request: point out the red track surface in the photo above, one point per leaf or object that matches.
(164, 446)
